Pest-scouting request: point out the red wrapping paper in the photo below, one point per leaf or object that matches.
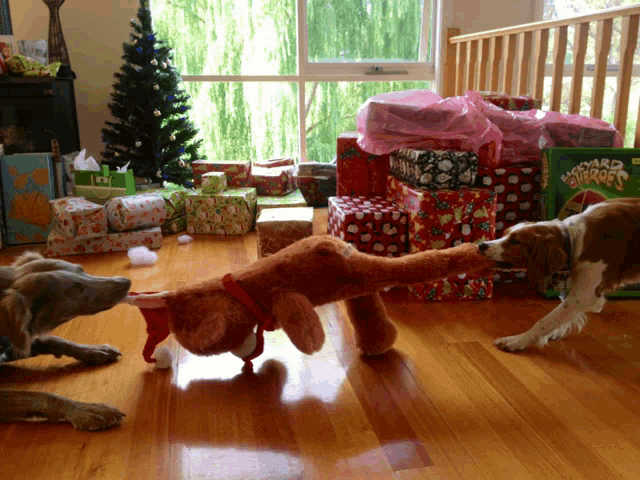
(371, 224)
(238, 173)
(517, 102)
(360, 173)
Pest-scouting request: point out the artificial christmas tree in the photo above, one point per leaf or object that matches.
(152, 130)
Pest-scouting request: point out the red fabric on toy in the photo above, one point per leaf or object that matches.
(157, 327)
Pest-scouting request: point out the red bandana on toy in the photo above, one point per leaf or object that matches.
(157, 319)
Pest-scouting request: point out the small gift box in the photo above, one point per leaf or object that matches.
(359, 173)
(273, 181)
(434, 169)
(231, 212)
(59, 245)
(293, 199)
(76, 217)
(371, 224)
(276, 162)
(213, 182)
(175, 225)
(238, 173)
(278, 228)
(136, 211)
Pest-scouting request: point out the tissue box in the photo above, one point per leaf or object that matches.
(76, 217)
(238, 173)
(175, 225)
(280, 227)
(434, 169)
(293, 199)
(213, 182)
(509, 102)
(174, 200)
(275, 162)
(231, 212)
(59, 245)
(273, 181)
(136, 211)
(371, 224)
(359, 173)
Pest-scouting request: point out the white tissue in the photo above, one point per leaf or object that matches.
(163, 357)
(124, 168)
(184, 239)
(79, 163)
(142, 256)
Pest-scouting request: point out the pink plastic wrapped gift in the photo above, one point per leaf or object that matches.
(274, 181)
(238, 173)
(136, 211)
(76, 217)
(59, 245)
(571, 130)
(416, 118)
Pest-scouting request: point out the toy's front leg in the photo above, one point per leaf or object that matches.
(375, 332)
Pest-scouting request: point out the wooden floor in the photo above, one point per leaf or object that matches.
(445, 404)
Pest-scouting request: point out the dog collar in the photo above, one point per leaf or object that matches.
(265, 321)
(566, 238)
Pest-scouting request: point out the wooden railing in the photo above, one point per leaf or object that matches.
(477, 61)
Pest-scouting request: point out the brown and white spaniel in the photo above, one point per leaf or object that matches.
(601, 249)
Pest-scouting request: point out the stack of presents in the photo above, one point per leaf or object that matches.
(424, 172)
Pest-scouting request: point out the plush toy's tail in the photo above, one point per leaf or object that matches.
(156, 314)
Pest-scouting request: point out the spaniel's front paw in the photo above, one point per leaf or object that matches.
(514, 343)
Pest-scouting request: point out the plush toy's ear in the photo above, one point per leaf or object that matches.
(299, 321)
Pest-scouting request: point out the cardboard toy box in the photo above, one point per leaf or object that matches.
(574, 178)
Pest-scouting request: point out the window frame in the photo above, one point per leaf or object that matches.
(422, 70)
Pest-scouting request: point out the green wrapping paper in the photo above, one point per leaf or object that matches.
(293, 199)
(231, 212)
(175, 225)
(174, 200)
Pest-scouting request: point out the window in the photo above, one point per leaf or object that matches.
(560, 9)
(271, 78)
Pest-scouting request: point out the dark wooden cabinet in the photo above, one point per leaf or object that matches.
(39, 108)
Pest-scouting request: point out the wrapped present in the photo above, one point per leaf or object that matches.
(317, 190)
(238, 173)
(517, 194)
(27, 186)
(434, 169)
(359, 173)
(293, 199)
(231, 212)
(280, 227)
(274, 181)
(59, 245)
(316, 169)
(275, 162)
(175, 225)
(136, 211)
(461, 287)
(174, 200)
(76, 217)
(371, 224)
(213, 182)
(511, 102)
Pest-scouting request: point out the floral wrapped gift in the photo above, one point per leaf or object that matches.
(136, 211)
(238, 173)
(280, 227)
(231, 212)
(274, 181)
(293, 199)
(76, 217)
(59, 245)
(213, 182)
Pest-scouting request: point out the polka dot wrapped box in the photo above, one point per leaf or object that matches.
(371, 224)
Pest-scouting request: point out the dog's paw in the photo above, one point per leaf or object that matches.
(98, 354)
(514, 343)
(95, 416)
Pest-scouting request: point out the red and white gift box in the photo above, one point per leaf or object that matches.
(371, 224)
(77, 217)
(512, 102)
(359, 173)
(274, 181)
(238, 173)
(59, 245)
(136, 211)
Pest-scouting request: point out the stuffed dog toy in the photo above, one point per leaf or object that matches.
(280, 291)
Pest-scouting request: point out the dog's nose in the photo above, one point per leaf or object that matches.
(483, 246)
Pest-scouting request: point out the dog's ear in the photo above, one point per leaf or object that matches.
(547, 257)
(14, 324)
(26, 257)
(299, 321)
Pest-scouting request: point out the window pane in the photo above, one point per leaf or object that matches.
(333, 108)
(364, 30)
(246, 121)
(229, 37)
